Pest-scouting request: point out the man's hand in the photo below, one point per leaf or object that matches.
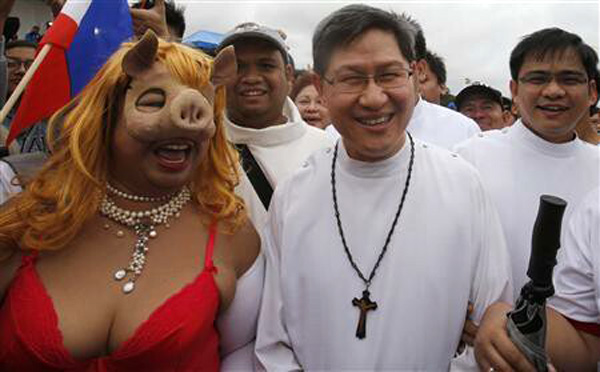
(470, 329)
(494, 350)
(154, 18)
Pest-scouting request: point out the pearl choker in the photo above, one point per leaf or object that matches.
(144, 225)
(137, 198)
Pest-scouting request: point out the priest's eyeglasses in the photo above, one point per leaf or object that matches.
(564, 79)
(391, 78)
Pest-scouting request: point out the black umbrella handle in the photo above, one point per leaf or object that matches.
(545, 243)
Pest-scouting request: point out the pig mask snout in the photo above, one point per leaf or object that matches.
(188, 111)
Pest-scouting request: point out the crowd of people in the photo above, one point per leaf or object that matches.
(229, 212)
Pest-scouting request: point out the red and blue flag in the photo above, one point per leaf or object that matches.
(83, 37)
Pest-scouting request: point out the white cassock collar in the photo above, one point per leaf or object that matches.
(395, 164)
(275, 135)
(558, 150)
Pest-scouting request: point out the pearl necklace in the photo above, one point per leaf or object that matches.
(144, 225)
(137, 198)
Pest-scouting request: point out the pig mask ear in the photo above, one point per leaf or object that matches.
(224, 67)
(141, 57)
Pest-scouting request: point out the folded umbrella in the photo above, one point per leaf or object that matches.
(527, 321)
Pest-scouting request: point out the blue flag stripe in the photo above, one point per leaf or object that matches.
(106, 24)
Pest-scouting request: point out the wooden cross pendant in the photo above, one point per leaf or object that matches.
(364, 304)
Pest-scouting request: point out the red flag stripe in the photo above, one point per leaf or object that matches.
(61, 33)
(41, 99)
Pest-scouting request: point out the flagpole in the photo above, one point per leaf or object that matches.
(12, 100)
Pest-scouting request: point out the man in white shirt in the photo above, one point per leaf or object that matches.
(540, 153)
(483, 104)
(363, 270)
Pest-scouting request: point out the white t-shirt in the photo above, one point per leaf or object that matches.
(517, 167)
(577, 274)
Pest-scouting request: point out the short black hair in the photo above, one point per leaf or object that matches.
(346, 24)
(420, 43)
(550, 42)
(175, 18)
(437, 66)
(596, 78)
(20, 44)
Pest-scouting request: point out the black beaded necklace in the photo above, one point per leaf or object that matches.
(364, 303)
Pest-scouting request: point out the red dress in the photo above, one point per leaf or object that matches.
(178, 336)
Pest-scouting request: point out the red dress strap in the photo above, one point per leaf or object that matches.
(210, 245)
(28, 259)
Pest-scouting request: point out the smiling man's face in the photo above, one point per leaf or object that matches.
(552, 110)
(372, 122)
(257, 96)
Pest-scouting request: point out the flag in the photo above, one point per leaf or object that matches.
(83, 37)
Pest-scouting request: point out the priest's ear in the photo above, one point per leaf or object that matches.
(514, 91)
(420, 71)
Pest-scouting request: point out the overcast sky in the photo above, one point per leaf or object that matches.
(474, 37)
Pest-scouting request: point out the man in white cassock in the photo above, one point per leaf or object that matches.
(375, 247)
(261, 119)
(273, 140)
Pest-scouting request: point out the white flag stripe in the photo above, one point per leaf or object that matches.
(76, 9)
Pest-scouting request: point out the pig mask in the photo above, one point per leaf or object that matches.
(159, 107)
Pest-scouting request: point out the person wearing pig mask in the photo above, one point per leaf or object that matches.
(122, 251)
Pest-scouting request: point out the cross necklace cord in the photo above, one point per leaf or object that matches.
(365, 304)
